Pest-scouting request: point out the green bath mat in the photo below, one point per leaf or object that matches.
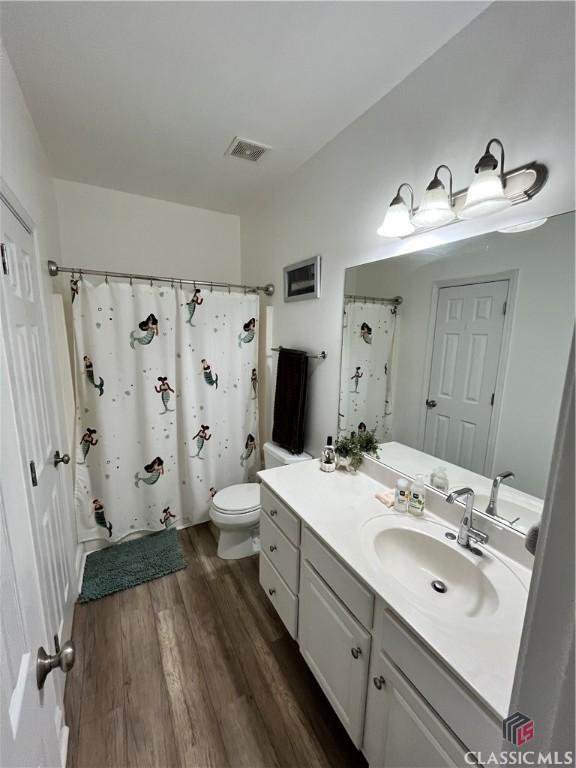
(126, 565)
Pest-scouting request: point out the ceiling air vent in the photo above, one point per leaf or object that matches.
(246, 149)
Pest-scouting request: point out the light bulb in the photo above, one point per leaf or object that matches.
(485, 196)
(397, 221)
(435, 209)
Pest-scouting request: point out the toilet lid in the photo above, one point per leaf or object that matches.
(237, 499)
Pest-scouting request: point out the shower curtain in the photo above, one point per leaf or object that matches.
(166, 403)
(366, 378)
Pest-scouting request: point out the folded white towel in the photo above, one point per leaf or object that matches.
(387, 498)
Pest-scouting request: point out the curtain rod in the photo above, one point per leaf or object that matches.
(397, 300)
(54, 270)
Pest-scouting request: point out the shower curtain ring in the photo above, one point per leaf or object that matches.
(106, 279)
(80, 275)
(228, 289)
(211, 287)
(151, 283)
(131, 283)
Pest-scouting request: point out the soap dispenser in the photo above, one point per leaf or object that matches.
(328, 458)
(417, 496)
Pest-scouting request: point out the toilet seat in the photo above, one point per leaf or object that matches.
(239, 499)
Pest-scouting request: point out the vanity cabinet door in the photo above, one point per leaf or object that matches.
(401, 729)
(336, 648)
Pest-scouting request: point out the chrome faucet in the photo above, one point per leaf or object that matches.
(467, 532)
(491, 508)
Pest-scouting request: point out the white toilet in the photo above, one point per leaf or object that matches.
(235, 510)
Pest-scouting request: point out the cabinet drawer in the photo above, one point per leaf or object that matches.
(467, 717)
(280, 552)
(357, 598)
(285, 602)
(285, 519)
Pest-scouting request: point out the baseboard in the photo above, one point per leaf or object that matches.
(84, 555)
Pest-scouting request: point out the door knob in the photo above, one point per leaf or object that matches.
(64, 459)
(431, 403)
(273, 512)
(379, 682)
(273, 547)
(63, 658)
(356, 652)
(271, 591)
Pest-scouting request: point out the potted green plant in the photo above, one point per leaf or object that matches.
(351, 448)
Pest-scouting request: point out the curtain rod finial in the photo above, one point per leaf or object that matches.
(269, 289)
(52, 268)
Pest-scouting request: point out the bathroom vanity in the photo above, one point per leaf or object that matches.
(417, 676)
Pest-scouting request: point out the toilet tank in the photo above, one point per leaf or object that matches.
(275, 456)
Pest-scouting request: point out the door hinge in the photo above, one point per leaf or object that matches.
(4, 258)
(492, 399)
(504, 307)
(33, 475)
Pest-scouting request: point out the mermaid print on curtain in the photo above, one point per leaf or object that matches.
(366, 378)
(165, 408)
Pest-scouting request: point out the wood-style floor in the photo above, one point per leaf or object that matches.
(196, 669)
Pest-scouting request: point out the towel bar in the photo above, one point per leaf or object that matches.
(320, 356)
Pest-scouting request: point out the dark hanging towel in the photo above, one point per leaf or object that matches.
(290, 399)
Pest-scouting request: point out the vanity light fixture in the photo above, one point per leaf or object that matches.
(437, 207)
(397, 221)
(486, 193)
(494, 189)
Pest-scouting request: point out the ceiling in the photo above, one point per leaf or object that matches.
(145, 97)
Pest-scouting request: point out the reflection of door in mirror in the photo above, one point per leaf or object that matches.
(367, 346)
(466, 353)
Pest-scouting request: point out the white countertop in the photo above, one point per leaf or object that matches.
(335, 506)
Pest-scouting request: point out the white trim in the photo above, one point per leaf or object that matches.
(511, 276)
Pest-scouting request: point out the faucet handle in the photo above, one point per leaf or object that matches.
(478, 536)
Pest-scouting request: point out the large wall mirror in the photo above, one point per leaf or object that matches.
(456, 356)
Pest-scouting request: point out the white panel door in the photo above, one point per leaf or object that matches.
(43, 550)
(465, 358)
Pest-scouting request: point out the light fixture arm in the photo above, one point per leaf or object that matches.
(436, 181)
(489, 163)
(399, 199)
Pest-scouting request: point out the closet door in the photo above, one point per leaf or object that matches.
(336, 648)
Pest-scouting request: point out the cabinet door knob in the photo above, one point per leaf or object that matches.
(273, 547)
(273, 512)
(356, 652)
(379, 682)
(271, 591)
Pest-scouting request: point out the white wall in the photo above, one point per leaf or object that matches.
(106, 229)
(508, 74)
(542, 322)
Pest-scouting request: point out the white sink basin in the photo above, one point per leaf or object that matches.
(435, 573)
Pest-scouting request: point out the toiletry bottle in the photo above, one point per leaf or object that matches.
(328, 458)
(439, 479)
(402, 495)
(417, 496)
